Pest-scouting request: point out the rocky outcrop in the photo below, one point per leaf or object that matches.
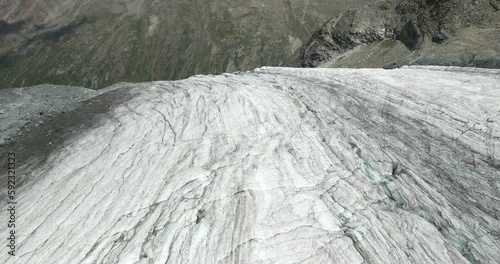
(349, 30)
(278, 165)
(426, 28)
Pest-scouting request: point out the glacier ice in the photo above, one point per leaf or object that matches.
(277, 165)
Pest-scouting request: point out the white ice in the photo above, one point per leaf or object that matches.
(277, 165)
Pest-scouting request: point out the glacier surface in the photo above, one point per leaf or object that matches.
(277, 165)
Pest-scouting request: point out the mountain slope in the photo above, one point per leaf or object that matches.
(397, 32)
(98, 43)
(275, 165)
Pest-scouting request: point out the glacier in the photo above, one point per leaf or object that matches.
(275, 165)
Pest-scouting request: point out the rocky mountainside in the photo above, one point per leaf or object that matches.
(277, 165)
(96, 43)
(391, 33)
(27, 108)
(24, 109)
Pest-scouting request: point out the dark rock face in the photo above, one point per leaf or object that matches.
(495, 4)
(411, 35)
(418, 25)
(7, 28)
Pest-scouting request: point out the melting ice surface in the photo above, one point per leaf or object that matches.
(277, 165)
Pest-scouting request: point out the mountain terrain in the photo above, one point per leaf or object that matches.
(96, 43)
(276, 165)
(391, 33)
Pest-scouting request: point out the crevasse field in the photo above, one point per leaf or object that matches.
(276, 165)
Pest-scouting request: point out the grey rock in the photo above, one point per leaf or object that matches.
(408, 32)
(23, 107)
(349, 30)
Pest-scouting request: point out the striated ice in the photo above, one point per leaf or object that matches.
(277, 165)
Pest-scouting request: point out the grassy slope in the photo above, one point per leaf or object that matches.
(99, 47)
